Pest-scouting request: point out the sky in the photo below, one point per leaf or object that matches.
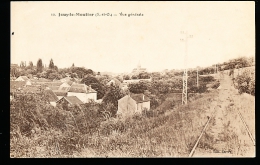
(221, 31)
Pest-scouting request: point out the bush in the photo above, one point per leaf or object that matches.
(215, 85)
(245, 83)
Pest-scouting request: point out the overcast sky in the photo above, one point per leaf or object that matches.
(221, 31)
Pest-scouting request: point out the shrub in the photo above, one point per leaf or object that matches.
(245, 83)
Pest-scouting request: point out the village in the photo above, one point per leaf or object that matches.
(71, 91)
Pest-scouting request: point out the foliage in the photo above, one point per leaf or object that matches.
(51, 65)
(143, 75)
(95, 84)
(39, 66)
(15, 72)
(112, 96)
(245, 83)
(126, 77)
(137, 87)
(81, 72)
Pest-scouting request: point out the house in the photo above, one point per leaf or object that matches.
(83, 92)
(133, 103)
(22, 78)
(51, 96)
(70, 100)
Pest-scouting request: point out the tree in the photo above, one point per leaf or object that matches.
(95, 84)
(39, 66)
(51, 65)
(139, 87)
(126, 77)
(15, 72)
(112, 96)
(134, 77)
(22, 64)
(143, 75)
(73, 65)
(56, 68)
(31, 65)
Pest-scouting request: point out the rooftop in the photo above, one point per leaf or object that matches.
(139, 97)
(81, 88)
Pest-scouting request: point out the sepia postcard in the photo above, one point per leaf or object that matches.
(132, 79)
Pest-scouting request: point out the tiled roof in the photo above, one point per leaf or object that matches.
(72, 100)
(60, 92)
(64, 89)
(81, 88)
(54, 87)
(25, 78)
(52, 97)
(139, 97)
(48, 83)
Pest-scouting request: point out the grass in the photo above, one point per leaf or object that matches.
(172, 134)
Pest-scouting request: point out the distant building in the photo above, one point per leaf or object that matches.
(138, 69)
(83, 92)
(133, 103)
(25, 79)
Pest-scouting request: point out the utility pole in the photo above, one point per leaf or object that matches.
(185, 73)
(197, 76)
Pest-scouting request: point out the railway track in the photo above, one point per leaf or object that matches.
(203, 131)
(191, 154)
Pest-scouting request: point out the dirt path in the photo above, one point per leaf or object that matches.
(226, 135)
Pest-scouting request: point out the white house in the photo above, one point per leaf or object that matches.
(133, 103)
(83, 92)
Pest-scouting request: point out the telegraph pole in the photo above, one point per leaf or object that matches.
(185, 73)
(197, 76)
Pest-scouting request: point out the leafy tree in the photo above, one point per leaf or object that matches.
(95, 84)
(112, 96)
(143, 75)
(22, 64)
(31, 65)
(126, 77)
(56, 68)
(15, 72)
(39, 66)
(139, 87)
(134, 77)
(51, 65)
